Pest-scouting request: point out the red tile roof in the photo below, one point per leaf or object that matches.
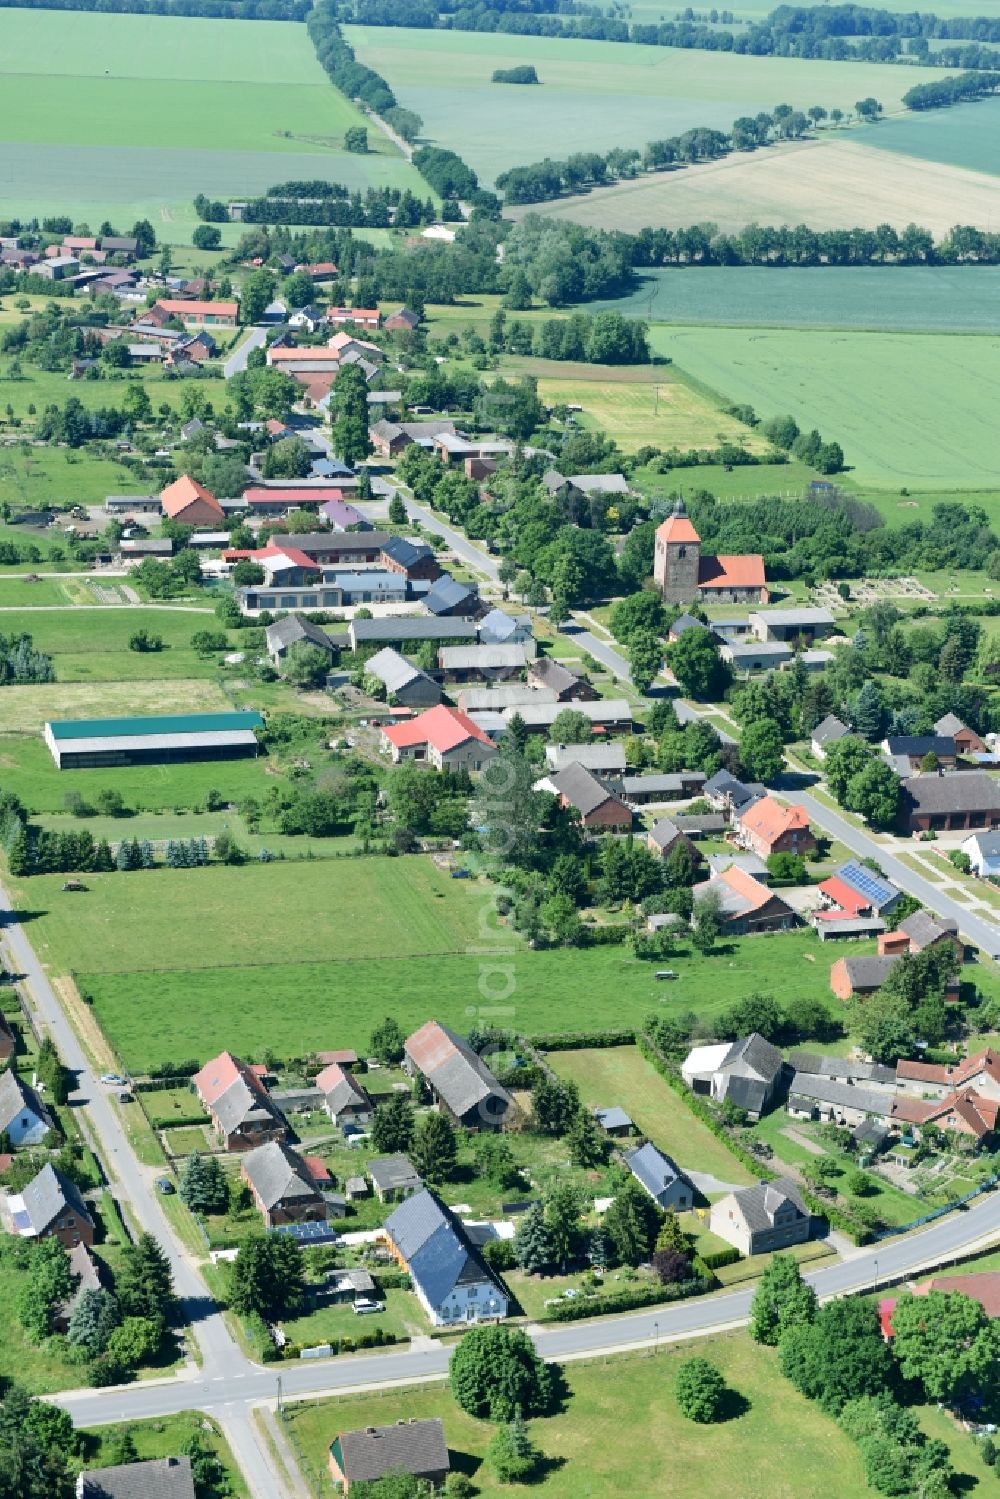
(955, 1076)
(292, 553)
(183, 492)
(346, 1058)
(732, 572)
(677, 528)
(844, 895)
(195, 311)
(219, 1074)
(317, 355)
(329, 1078)
(316, 1168)
(442, 727)
(317, 495)
(886, 1307)
(745, 885)
(982, 1286)
(770, 820)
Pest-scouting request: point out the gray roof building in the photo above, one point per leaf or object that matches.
(660, 1176)
(682, 783)
(869, 972)
(448, 596)
(501, 696)
(487, 658)
(759, 1204)
(614, 1118)
(609, 759)
(278, 1175)
(47, 1195)
(962, 792)
(394, 1173)
(664, 833)
(810, 1089)
(750, 864)
(448, 1274)
(841, 1067)
(701, 824)
(585, 792)
(156, 1478)
(402, 679)
(924, 930)
(682, 624)
(416, 1447)
(458, 1076)
(406, 553)
(294, 630)
(19, 1100)
(498, 627)
(553, 674)
(405, 627)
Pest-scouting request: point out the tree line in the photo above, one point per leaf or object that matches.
(378, 208)
(959, 89)
(229, 10)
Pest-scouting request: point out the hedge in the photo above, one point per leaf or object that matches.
(624, 1301)
(163, 1084)
(578, 1040)
(716, 1258)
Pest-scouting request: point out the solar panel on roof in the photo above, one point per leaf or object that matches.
(307, 1233)
(865, 881)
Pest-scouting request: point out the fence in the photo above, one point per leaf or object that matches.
(935, 1213)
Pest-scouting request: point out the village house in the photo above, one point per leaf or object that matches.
(154, 1478)
(358, 317)
(403, 321)
(664, 836)
(86, 1274)
(725, 793)
(826, 733)
(906, 752)
(394, 1178)
(344, 1099)
(762, 1219)
(858, 976)
(567, 686)
(657, 1174)
(459, 1080)
(484, 663)
(389, 439)
(500, 628)
(448, 597)
(195, 314)
(23, 1117)
(406, 630)
(442, 737)
(452, 1282)
(50, 1207)
(414, 559)
(242, 1113)
(403, 681)
(747, 1073)
(981, 1072)
(965, 1112)
(595, 803)
(293, 630)
(281, 1185)
(746, 907)
(920, 931)
(610, 715)
(768, 828)
(684, 576)
(983, 853)
(762, 655)
(606, 759)
(641, 790)
(792, 624)
(967, 741)
(416, 1447)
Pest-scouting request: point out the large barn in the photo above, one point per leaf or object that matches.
(86, 743)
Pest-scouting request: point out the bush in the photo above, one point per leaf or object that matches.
(700, 1391)
(496, 1374)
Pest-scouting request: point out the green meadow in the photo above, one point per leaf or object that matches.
(122, 115)
(92, 644)
(859, 388)
(31, 476)
(593, 95)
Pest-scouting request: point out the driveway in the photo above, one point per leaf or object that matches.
(237, 360)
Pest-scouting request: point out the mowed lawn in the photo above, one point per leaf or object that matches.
(637, 405)
(859, 389)
(291, 1006)
(621, 1433)
(92, 644)
(593, 95)
(621, 1075)
(255, 915)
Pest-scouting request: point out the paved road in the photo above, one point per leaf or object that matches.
(472, 555)
(237, 360)
(977, 929)
(890, 1261)
(599, 649)
(133, 1186)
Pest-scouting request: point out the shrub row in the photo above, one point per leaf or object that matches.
(574, 1041)
(625, 1301)
(716, 1258)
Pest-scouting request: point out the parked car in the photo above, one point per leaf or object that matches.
(165, 1186)
(113, 1080)
(364, 1304)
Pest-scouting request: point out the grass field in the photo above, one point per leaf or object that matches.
(33, 476)
(827, 183)
(19, 594)
(966, 136)
(621, 1432)
(638, 404)
(25, 709)
(92, 644)
(594, 95)
(621, 1075)
(213, 106)
(40, 388)
(859, 388)
(906, 299)
(193, 1008)
(743, 483)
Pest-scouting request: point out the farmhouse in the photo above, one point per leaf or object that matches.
(657, 1174)
(607, 759)
(612, 714)
(768, 828)
(760, 1219)
(190, 504)
(360, 317)
(402, 680)
(981, 1072)
(906, 752)
(920, 931)
(327, 548)
(402, 630)
(87, 743)
(484, 663)
(855, 891)
(50, 1207)
(239, 1105)
(684, 576)
(967, 741)
(452, 1282)
(596, 804)
(86, 1274)
(414, 559)
(458, 1078)
(664, 836)
(500, 628)
(792, 624)
(294, 630)
(966, 1112)
(443, 737)
(861, 975)
(818, 1097)
(949, 803)
(763, 655)
(412, 1446)
(281, 1185)
(747, 1073)
(449, 597)
(640, 790)
(403, 321)
(201, 314)
(389, 439)
(746, 906)
(983, 851)
(23, 1117)
(726, 794)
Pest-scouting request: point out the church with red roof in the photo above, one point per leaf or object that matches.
(684, 576)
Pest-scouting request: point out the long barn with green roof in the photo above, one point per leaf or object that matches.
(88, 743)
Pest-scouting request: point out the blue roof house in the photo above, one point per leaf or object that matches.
(452, 1282)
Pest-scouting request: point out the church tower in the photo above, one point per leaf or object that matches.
(676, 559)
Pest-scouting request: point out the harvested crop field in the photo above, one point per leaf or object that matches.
(859, 388)
(826, 184)
(593, 95)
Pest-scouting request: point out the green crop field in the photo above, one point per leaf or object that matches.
(859, 388)
(621, 1075)
(906, 299)
(122, 115)
(292, 1004)
(621, 1429)
(593, 95)
(967, 135)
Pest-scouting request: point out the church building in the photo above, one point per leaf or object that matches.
(684, 576)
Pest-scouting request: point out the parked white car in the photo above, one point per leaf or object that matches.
(364, 1305)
